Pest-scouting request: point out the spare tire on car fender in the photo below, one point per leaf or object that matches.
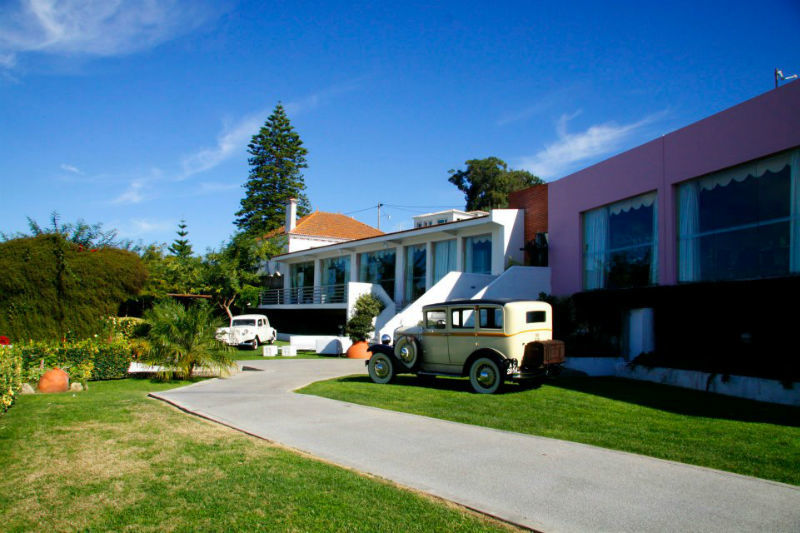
(407, 351)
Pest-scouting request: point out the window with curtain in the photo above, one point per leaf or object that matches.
(620, 244)
(335, 272)
(415, 272)
(478, 254)
(444, 259)
(378, 267)
(741, 223)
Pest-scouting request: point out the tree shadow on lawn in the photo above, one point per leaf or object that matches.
(682, 401)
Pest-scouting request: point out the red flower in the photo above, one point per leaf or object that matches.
(4, 341)
(94, 249)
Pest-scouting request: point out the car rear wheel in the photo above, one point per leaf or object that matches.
(381, 368)
(407, 352)
(485, 376)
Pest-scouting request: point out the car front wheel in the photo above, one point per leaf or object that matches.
(255, 343)
(485, 376)
(381, 368)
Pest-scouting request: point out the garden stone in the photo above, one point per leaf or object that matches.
(27, 389)
(76, 387)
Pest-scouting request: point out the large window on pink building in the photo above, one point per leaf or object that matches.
(620, 244)
(742, 222)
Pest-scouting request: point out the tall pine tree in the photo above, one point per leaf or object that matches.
(180, 247)
(277, 159)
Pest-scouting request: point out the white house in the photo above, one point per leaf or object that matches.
(442, 217)
(404, 269)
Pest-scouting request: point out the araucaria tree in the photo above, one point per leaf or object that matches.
(181, 247)
(487, 182)
(276, 163)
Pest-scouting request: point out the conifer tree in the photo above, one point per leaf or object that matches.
(276, 163)
(180, 247)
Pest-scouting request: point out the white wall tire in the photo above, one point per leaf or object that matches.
(381, 368)
(407, 352)
(485, 376)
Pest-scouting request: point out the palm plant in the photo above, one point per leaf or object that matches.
(182, 339)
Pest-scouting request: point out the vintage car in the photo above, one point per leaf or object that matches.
(490, 341)
(247, 330)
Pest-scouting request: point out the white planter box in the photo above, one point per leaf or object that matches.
(288, 351)
(270, 351)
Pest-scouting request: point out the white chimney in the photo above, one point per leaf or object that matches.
(291, 214)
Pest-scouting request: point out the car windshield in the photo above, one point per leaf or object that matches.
(244, 322)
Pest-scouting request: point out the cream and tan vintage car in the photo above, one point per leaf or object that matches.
(490, 341)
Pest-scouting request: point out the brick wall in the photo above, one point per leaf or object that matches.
(534, 201)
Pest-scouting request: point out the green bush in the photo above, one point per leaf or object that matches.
(83, 360)
(360, 325)
(10, 377)
(50, 286)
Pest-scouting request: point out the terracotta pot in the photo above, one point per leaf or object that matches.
(54, 380)
(359, 350)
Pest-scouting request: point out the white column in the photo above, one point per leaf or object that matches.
(399, 275)
(428, 265)
(317, 276)
(460, 254)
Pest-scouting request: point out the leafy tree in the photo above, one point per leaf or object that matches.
(170, 274)
(277, 159)
(180, 247)
(80, 233)
(235, 271)
(182, 338)
(486, 183)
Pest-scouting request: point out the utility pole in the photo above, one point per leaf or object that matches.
(379, 214)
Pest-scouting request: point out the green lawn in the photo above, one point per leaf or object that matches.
(113, 459)
(752, 438)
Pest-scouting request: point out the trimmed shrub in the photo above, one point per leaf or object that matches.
(360, 325)
(10, 377)
(83, 360)
(52, 288)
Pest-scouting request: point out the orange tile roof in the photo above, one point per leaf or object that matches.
(331, 225)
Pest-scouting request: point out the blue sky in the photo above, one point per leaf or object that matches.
(138, 113)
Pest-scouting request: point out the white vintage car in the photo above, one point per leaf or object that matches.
(247, 330)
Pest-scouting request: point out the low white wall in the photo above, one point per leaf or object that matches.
(764, 390)
(594, 366)
(518, 282)
(759, 389)
(453, 285)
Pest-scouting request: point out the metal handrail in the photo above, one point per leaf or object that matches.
(322, 294)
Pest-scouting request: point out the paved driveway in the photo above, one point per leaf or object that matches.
(541, 483)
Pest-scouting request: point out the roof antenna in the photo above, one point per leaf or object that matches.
(780, 77)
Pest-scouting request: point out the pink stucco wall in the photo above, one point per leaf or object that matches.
(756, 128)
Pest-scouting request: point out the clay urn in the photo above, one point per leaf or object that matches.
(359, 350)
(54, 380)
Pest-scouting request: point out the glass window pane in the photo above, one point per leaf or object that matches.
(416, 263)
(378, 267)
(490, 317)
(435, 319)
(444, 259)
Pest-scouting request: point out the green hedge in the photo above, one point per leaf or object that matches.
(52, 288)
(82, 360)
(10, 377)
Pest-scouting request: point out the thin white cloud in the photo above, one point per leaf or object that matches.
(71, 168)
(133, 195)
(234, 137)
(232, 140)
(211, 187)
(138, 227)
(94, 27)
(572, 149)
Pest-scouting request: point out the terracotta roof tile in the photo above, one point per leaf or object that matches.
(331, 225)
